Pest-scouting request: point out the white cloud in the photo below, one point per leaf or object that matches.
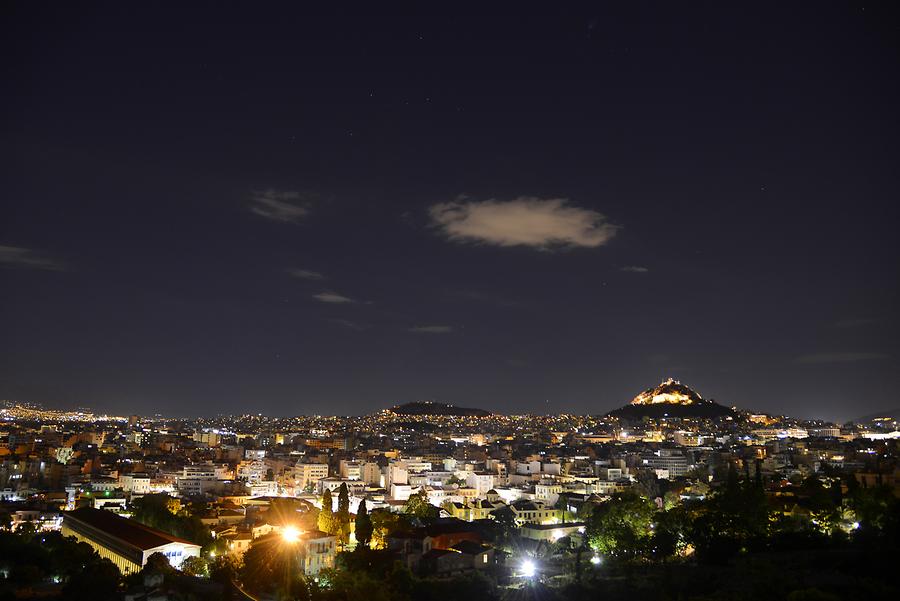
(333, 297)
(17, 256)
(278, 205)
(816, 358)
(524, 221)
(634, 269)
(305, 274)
(431, 329)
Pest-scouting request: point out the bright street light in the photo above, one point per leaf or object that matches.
(528, 568)
(596, 560)
(290, 534)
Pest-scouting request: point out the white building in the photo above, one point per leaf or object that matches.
(136, 484)
(125, 542)
(480, 481)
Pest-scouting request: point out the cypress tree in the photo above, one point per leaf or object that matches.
(363, 525)
(326, 515)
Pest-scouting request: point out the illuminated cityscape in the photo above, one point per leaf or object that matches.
(537, 504)
(336, 302)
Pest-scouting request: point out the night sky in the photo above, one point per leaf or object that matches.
(244, 209)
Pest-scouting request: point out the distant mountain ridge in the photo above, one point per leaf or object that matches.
(433, 408)
(893, 413)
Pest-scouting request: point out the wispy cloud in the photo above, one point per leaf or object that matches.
(634, 269)
(431, 329)
(333, 297)
(305, 274)
(17, 256)
(350, 325)
(818, 358)
(278, 205)
(524, 221)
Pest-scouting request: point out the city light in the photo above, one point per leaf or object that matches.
(290, 534)
(528, 568)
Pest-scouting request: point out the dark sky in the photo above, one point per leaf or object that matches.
(232, 209)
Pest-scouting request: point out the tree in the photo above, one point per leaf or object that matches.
(735, 517)
(342, 516)
(647, 484)
(622, 526)
(158, 562)
(99, 581)
(164, 512)
(876, 508)
(326, 515)
(820, 501)
(195, 566)
(505, 519)
(224, 569)
(386, 523)
(271, 566)
(670, 532)
(418, 505)
(343, 498)
(363, 525)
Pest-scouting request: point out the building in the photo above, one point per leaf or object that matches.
(306, 475)
(351, 470)
(210, 439)
(317, 551)
(532, 512)
(472, 509)
(125, 542)
(480, 481)
(354, 487)
(198, 479)
(550, 532)
(672, 462)
(263, 488)
(136, 484)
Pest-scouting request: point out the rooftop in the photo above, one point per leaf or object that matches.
(128, 531)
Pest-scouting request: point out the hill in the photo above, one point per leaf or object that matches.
(671, 399)
(432, 408)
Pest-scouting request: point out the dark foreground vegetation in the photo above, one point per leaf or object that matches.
(837, 541)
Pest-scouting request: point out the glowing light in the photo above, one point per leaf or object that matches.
(854, 525)
(528, 568)
(596, 560)
(290, 534)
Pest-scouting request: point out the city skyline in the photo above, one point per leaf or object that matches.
(332, 214)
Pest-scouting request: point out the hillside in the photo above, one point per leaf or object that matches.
(432, 408)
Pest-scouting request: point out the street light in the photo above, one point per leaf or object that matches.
(596, 560)
(528, 568)
(290, 534)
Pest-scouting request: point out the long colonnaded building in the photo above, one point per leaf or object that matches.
(126, 543)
